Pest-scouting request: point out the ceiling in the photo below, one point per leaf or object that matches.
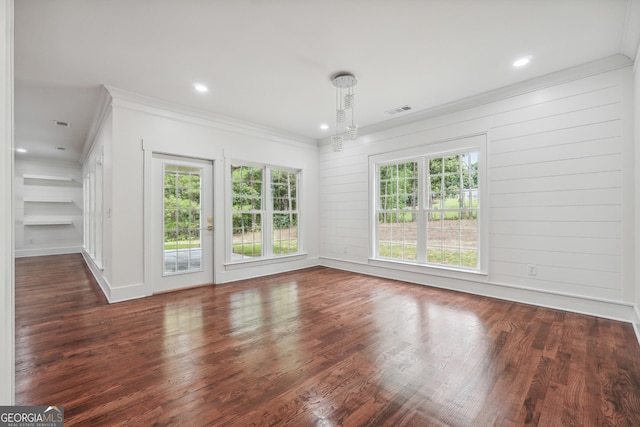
(271, 62)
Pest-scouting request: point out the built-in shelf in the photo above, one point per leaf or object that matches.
(43, 200)
(47, 220)
(47, 177)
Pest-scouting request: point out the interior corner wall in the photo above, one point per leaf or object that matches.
(97, 254)
(178, 134)
(7, 299)
(560, 194)
(636, 119)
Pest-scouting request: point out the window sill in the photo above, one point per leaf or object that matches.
(236, 265)
(456, 273)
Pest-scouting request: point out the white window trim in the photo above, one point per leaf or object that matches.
(267, 251)
(93, 189)
(476, 142)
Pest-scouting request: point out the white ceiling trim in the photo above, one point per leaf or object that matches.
(104, 106)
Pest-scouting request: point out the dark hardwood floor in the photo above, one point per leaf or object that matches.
(317, 347)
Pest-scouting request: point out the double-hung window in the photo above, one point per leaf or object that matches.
(427, 206)
(264, 211)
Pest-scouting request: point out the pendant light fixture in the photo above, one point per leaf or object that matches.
(345, 105)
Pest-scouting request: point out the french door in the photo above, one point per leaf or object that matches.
(182, 222)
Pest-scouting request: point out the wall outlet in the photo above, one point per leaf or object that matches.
(345, 249)
(532, 269)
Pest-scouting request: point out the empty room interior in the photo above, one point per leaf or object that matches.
(357, 212)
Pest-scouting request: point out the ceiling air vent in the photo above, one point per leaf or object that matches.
(398, 110)
(60, 123)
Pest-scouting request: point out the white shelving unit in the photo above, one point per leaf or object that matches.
(45, 200)
(48, 207)
(47, 220)
(47, 177)
(32, 179)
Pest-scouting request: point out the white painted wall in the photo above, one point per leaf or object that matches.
(560, 192)
(135, 124)
(636, 116)
(48, 200)
(7, 305)
(97, 256)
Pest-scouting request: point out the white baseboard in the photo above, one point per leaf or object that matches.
(113, 294)
(126, 293)
(636, 322)
(253, 270)
(600, 308)
(23, 253)
(105, 287)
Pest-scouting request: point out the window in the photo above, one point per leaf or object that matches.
(264, 211)
(427, 208)
(92, 212)
(182, 210)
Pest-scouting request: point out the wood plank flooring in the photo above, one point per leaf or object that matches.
(317, 347)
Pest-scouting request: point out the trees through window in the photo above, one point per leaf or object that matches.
(264, 211)
(427, 210)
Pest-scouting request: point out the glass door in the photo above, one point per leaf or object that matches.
(183, 222)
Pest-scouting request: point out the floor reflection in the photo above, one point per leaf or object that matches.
(455, 338)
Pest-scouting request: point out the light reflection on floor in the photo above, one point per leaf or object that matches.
(401, 350)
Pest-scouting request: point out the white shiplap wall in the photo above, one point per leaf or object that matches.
(560, 191)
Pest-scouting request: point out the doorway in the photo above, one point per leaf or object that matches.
(181, 222)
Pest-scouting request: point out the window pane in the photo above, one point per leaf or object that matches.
(247, 235)
(246, 184)
(285, 234)
(284, 238)
(250, 208)
(397, 236)
(181, 219)
(448, 235)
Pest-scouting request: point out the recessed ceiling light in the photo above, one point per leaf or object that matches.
(200, 87)
(21, 150)
(521, 62)
(324, 126)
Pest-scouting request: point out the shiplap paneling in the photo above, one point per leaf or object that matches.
(556, 189)
(581, 197)
(558, 213)
(590, 262)
(609, 179)
(558, 137)
(598, 147)
(579, 245)
(565, 228)
(511, 274)
(581, 117)
(577, 166)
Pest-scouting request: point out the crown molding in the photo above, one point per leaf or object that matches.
(141, 103)
(104, 106)
(631, 35)
(603, 65)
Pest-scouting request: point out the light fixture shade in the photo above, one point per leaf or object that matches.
(352, 131)
(344, 107)
(336, 143)
(349, 100)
